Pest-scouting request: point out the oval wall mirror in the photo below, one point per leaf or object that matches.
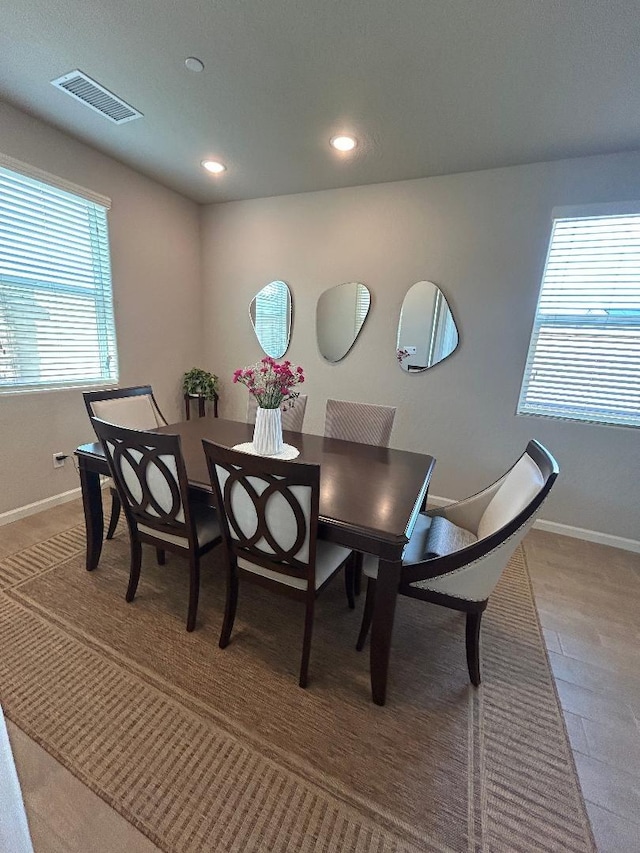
(340, 315)
(270, 313)
(427, 332)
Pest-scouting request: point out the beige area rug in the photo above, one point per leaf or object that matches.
(210, 750)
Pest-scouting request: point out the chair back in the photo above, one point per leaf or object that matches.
(134, 407)
(151, 480)
(363, 423)
(268, 510)
(292, 412)
(512, 504)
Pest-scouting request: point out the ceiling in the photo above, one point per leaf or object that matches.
(429, 87)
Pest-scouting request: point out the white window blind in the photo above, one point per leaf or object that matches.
(584, 357)
(56, 306)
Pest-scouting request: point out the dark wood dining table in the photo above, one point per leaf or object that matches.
(370, 498)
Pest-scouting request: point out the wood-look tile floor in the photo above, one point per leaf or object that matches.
(588, 597)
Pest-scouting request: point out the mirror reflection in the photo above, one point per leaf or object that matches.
(270, 313)
(427, 332)
(340, 315)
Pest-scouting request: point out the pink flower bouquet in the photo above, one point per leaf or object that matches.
(271, 383)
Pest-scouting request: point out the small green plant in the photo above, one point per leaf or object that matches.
(200, 383)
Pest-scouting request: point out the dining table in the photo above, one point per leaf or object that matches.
(370, 498)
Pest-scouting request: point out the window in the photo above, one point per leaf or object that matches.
(584, 356)
(56, 306)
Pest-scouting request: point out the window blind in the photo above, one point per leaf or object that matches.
(56, 306)
(272, 318)
(584, 357)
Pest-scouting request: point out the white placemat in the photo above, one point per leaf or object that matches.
(288, 451)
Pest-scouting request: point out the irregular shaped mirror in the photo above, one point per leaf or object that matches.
(270, 313)
(427, 332)
(340, 315)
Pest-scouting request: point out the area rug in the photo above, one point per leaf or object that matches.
(205, 749)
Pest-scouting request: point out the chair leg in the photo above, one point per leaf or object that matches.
(358, 560)
(161, 556)
(134, 571)
(367, 613)
(230, 607)
(194, 590)
(115, 514)
(473, 646)
(306, 643)
(349, 581)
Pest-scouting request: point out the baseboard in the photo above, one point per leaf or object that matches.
(38, 506)
(589, 535)
(567, 530)
(541, 524)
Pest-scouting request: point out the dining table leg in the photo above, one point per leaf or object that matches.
(382, 627)
(93, 516)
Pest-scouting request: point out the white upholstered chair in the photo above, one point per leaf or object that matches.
(149, 473)
(363, 423)
(269, 519)
(456, 555)
(133, 407)
(292, 412)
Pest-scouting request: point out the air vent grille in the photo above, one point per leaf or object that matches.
(87, 91)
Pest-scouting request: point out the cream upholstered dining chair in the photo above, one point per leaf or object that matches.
(456, 555)
(269, 518)
(292, 415)
(150, 476)
(363, 423)
(133, 407)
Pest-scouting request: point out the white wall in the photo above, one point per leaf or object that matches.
(482, 238)
(155, 256)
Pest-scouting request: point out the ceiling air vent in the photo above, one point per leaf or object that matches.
(86, 90)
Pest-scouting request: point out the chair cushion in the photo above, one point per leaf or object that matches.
(329, 558)
(207, 527)
(432, 537)
(135, 412)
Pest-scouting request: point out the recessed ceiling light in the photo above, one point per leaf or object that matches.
(214, 166)
(194, 64)
(343, 143)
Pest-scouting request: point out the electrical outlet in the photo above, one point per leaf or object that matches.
(58, 459)
(411, 350)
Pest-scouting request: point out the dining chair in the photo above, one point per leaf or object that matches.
(363, 423)
(456, 555)
(292, 416)
(149, 474)
(269, 518)
(133, 407)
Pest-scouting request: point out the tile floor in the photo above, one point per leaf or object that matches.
(588, 597)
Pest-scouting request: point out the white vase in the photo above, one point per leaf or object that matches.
(267, 433)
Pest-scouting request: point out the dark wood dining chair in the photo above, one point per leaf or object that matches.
(456, 555)
(269, 518)
(150, 476)
(134, 407)
(292, 413)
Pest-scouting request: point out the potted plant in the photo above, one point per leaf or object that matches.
(201, 385)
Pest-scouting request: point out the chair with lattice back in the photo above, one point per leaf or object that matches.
(456, 555)
(269, 518)
(364, 423)
(133, 407)
(149, 474)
